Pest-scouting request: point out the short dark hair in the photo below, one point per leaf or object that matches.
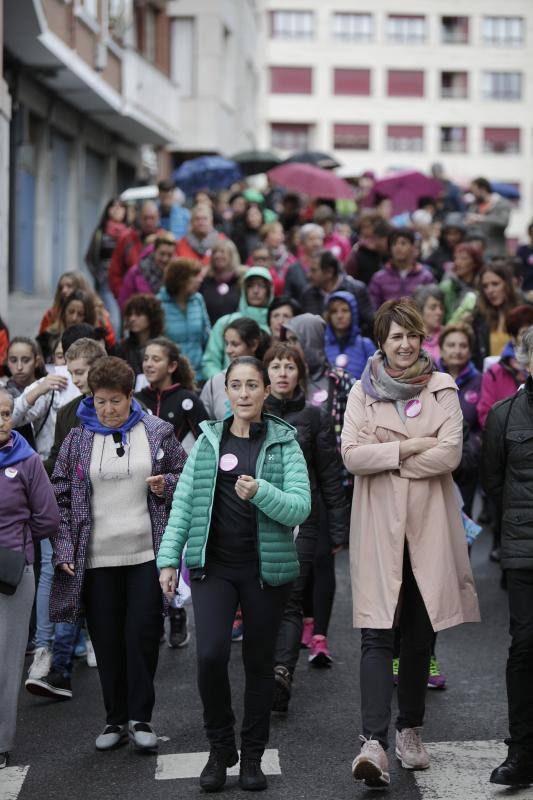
(177, 274)
(112, 373)
(81, 331)
(402, 233)
(247, 328)
(248, 361)
(482, 183)
(166, 185)
(284, 300)
(517, 318)
(150, 306)
(282, 350)
(403, 312)
(329, 262)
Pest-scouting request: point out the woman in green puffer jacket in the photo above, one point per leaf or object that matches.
(243, 490)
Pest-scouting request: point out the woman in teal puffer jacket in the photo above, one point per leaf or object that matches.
(243, 490)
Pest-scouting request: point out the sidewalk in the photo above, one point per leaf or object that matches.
(24, 313)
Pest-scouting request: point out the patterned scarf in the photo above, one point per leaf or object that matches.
(201, 246)
(381, 382)
(151, 273)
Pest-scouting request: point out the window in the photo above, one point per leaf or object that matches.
(406, 29)
(405, 138)
(182, 55)
(454, 84)
(291, 80)
(454, 30)
(501, 86)
(501, 140)
(351, 137)
(351, 81)
(292, 24)
(353, 27)
(150, 23)
(453, 139)
(405, 83)
(289, 136)
(503, 31)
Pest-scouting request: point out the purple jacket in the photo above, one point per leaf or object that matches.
(388, 284)
(72, 487)
(28, 508)
(134, 283)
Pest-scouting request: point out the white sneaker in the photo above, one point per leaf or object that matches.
(41, 664)
(91, 657)
(371, 765)
(410, 750)
(142, 735)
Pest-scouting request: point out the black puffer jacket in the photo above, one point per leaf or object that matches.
(316, 438)
(182, 408)
(507, 474)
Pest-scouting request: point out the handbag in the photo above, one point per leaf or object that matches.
(12, 565)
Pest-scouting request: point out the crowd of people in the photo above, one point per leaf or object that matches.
(239, 391)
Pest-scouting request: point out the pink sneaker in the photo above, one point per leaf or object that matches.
(319, 655)
(307, 632)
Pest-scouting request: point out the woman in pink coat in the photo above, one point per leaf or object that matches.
(402, 438)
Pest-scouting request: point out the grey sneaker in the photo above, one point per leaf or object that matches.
(41, 664)
(112, 736)
(371, 765)
(142, 735)
(410, 749)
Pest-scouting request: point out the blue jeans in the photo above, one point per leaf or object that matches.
(64, 644)
(113, 308)
(44, 632)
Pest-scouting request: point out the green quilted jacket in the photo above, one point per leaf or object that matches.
(283, 500)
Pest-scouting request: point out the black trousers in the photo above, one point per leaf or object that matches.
(520, 661)
(377, 647)
(124, 611)
(320, 586)
(290, 631)
(215, 600)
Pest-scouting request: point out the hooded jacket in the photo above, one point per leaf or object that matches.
(215, 358)
(353, 350)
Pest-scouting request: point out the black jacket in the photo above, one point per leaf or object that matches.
(131, 351)
(182, 408)
(314, 302)
(217, 303)
(507, 474)
(316, 438)
(66, 420)
(481, 348)
(362, 263)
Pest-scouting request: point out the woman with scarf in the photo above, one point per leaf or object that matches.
(28, 513)
(114, 478)
(402, 437)
(146, 277)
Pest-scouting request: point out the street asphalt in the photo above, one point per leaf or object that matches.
(316, 742)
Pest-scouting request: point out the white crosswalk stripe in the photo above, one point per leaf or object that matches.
(190, 765)
(11, 780)
(461, 771)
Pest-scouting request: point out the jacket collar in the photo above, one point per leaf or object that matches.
(277, 431)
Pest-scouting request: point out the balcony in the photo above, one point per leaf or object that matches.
(150, 99)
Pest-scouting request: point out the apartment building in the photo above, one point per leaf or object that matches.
(394, 84)
(93, 105)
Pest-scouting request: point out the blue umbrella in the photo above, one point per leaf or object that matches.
(206, 172)
(506, 190)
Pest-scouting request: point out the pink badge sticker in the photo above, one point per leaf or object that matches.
(228, 462)
(413, 408)
(223, 288)
(319, 397)
(341, 360)
(471, 397)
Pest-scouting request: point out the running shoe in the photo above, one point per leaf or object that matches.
(436, 679)
(319, 655)
(53, 685)
(236, 632)
(410, 750)
(395, 670)
(371, 765)
(178, 633)
(307, 632)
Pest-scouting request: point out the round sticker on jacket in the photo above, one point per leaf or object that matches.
(319, 397)
(471, 397)
(341, 360)
(223, 288)
(187, 404)
(11, 472)
(228, 462)
(413, 408)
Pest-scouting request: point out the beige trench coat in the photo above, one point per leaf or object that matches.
(416, 500)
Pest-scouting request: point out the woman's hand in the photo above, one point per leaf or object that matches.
(366, 436)
(419, 444)
(246, 487)
(68, 568)
(156, 484)
(168, 580)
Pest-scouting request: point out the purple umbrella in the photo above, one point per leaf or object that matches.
(312, 181)
(405, 189)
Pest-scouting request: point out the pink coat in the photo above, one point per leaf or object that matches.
(413, 500)
(497, 384)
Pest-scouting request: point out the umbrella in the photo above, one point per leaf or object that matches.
(314, 157)
(206, 172)
(406, 188)
(508, 190)
(254, 162)
(312, 181)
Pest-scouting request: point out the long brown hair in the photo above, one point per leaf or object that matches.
(79, 281)
(483, 307)
(184, 373)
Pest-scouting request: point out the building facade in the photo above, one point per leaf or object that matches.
(90, 87)
(392, 84)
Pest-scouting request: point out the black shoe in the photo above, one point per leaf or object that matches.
(4, 760)
(516, 770)
(52, 685)
(251, 776)
(213, 775)
(282, 690)
(178, 635)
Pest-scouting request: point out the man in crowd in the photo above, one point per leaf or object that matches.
(489, 214)
(172, 216)
(198, 242)
(402, 274)
(370, 252)
(132, 243)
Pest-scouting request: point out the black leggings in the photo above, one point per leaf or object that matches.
(319, 592)
(215, 600)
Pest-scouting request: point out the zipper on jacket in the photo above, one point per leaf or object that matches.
(258, 469)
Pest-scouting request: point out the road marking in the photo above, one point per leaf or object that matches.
(461, 771)
(190, 765)
(11, 780)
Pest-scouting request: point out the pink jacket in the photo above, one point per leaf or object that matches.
(134, 283)
(497, 384)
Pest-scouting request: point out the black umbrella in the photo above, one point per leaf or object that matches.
(315, 158)
(253, 162)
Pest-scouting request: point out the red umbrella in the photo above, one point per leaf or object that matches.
(312, 181)
(406, 188)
